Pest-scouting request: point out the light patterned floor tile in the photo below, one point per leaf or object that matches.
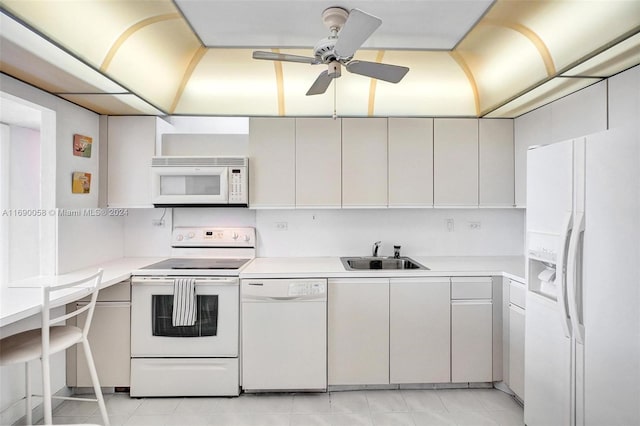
(460, 400)
(311, 403)
(386, 401)
(423, 400)
(349, 402)
(156, 406)
(351, 419)
(312, 419)
(392, 419)
(76, 408)
(433, 418)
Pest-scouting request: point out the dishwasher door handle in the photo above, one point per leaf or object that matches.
(311, 297)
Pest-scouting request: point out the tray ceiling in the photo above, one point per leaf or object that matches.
(193, 57)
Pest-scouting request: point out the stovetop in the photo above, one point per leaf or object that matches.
(198, 263)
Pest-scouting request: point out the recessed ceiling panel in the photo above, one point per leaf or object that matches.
(542, 95)
(503, 62)
(153, 61)
(88, 28)
(406, 24)
(618, 58)
(230, 82)
(28, 67)
(434, 86)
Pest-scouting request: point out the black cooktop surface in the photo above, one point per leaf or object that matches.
(198, 263)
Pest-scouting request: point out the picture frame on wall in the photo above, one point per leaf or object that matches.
(82, 145)
(81, 183)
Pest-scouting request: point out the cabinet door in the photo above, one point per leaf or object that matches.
(455, 152)
(109, 339)
(471, 341)
(364, 162)
(531, 129)
(420, 330)
(496, 162)
(516, 350)
(358, 331)
(410, 162)
(318, 162)
(272, 161)
(131, 144)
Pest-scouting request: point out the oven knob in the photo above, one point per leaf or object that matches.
(247, 238)
(235, 236)
(191, 235)
(179, 237)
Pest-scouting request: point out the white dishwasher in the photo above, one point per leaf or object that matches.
(284, 334)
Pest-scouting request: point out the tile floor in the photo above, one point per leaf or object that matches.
(472, 407)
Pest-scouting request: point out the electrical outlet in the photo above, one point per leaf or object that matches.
(474, 226)
(450, 225)
(282, 226)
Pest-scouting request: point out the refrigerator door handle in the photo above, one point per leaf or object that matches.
(561, 275)
(572, 281)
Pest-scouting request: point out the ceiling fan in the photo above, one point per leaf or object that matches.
(349, 30)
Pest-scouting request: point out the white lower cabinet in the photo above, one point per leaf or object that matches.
(358, 331)
(420, 328)
(471, 330)
(109, 339)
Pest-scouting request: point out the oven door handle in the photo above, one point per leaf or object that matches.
(199, 281)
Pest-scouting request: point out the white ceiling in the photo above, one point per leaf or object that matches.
(407, 24)
(479, 58)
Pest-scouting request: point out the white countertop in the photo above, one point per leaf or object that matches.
(24, 298)
(331, 267)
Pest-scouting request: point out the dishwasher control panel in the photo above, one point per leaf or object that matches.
(253, 290)
(306, 288)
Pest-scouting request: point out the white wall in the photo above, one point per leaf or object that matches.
(420, 232)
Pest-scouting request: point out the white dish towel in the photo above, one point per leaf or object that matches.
(184, 302)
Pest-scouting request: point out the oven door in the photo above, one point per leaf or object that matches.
(189, 185)
(215, 333)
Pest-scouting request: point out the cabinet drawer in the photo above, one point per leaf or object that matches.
(471, 288)
(517, 294)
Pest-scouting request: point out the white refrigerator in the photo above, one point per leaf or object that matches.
(582, 340)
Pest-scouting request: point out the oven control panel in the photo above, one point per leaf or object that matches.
(189, 236)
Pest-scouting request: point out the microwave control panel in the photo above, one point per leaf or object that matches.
(238, 185)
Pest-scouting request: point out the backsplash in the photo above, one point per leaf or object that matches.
(420, 232)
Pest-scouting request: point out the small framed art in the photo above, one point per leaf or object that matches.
(82, 145)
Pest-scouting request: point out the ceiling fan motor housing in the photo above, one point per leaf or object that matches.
(323, 50)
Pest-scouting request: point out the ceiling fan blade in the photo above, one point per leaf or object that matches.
(284, 57)
(355, 32)
(386, 72)
(321, 84)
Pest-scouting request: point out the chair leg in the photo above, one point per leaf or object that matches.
(94, 379)
(28, 392)
(46, 389)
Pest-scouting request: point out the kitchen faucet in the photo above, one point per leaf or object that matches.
(375, 248)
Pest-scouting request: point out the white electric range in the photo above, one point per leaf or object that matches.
(199, 359)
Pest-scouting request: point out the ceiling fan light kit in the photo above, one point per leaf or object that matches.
(349, 31)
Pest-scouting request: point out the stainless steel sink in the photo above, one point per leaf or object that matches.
(370, 263)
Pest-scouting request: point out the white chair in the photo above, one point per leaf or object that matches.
(47, 340)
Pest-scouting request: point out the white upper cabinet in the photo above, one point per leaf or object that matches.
(496, 163)
(624, 98)
(272, 162)
(455, 151)
(364, 162)
(410, 162)
(318, 162)
(131, 144)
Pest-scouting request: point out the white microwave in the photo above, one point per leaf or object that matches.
(199, 181)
